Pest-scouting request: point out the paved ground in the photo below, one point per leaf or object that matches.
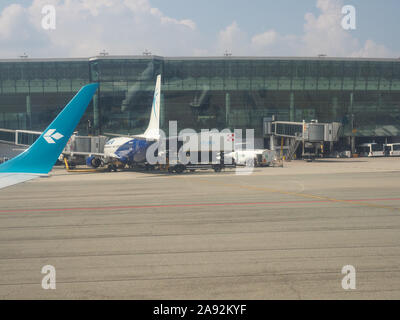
(277, 233)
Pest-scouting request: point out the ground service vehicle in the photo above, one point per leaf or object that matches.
(392, 149)
(372, 149)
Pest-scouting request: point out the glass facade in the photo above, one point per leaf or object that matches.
(32, 93)
(223, 92)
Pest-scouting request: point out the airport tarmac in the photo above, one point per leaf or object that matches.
(278, 233)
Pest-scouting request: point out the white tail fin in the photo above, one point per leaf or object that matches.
(153, 130)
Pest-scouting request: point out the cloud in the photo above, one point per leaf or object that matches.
(372, 50)
(322, 34)
(127, 27)
(325, 34)
(232, 39)
(84, 28)
(264, 39)
(166, 20)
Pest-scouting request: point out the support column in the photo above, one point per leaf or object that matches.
(379, 107)
(291, 110)
(28, 124)
(334, 108)
(352, 135)
(271, 142)
(162, 111)
(96, 114)
(227, 108)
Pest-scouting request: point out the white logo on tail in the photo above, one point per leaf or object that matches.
(50, 135)
(154, 104)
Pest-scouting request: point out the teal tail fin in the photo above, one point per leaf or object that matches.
(43, 154)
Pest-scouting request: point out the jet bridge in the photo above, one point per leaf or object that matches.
(311, 135)
(19, 137)
(13, 142)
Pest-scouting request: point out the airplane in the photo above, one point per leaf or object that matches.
(122, 151)
(40, 157)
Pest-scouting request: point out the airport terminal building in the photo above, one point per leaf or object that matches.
(208, 92)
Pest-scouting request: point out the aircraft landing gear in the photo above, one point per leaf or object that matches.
(217, 169)
(149, 167)
(179, 168)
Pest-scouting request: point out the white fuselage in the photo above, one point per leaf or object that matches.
(113, 145)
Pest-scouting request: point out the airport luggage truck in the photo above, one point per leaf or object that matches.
(218, 165)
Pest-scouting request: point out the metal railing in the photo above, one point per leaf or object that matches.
(19, 137)
(287, 129)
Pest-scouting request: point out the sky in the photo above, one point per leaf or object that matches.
(84, 28)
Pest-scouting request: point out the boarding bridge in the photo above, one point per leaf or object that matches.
(22, 138)
(13, 142)
(309, 134)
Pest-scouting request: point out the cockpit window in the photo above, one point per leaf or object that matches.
(110, 142)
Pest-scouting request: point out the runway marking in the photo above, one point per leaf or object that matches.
(180, 205)
(305, 195)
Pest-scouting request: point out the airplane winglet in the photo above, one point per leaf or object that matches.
(43, 154)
